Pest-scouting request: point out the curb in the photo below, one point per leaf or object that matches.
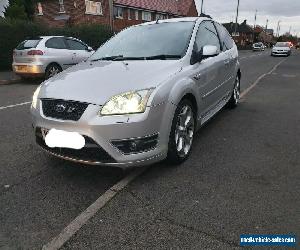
(12, 81)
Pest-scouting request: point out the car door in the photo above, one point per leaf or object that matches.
(230, 59)
(79, 50)
(208, 73)
(56, 51)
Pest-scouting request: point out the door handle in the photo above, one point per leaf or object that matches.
(197, 77)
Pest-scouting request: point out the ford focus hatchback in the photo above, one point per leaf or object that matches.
(141, 97)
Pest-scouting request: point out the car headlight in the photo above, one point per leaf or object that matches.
(127, 103)
(35, 97)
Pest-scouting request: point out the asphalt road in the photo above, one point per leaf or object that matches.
(242, 177)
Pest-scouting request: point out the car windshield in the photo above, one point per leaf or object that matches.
(282, 45)
(28, 44)
(160, 41)
(258, 44)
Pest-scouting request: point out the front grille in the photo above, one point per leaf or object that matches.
(91, 152)
(63, 110)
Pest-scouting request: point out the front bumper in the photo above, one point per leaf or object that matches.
(281, 53)
(105, 130)
(28, 69)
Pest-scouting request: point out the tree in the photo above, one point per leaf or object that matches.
(15, 10)
(29, 8)
(20, 9)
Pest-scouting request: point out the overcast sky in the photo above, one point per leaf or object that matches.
(288, 11)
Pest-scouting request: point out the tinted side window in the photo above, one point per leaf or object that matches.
(56, 43)
(207, 35)
(75, 45)
(226, 40)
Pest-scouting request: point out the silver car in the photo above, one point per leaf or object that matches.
(281, 49)
(258, 47)
(141, 97)
(48, 55)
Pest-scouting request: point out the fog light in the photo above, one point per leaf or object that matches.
(136, 145)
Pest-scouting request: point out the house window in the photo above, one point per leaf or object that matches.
(40, 9)
(118, 12)
(61, 6)
(146, 16)
(136, 15)
(160, 16)
(129, 14)
(93, 8)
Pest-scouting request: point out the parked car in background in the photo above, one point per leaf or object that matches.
(140, 97)
(281, 49)
(46, 56)
(258, 46)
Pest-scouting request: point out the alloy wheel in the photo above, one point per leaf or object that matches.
(236, 90)
(184, 131)
(53, 71)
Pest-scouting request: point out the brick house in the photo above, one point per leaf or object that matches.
(244, 35)
(118, 14)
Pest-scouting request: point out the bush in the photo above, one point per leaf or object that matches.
(12, 32)
(92, 34)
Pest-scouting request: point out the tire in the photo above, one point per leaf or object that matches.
(235, 97)
(52, 70)
(182, 133)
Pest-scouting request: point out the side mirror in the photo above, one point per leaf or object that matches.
(209, 51)
(89, 49)
(206, 52)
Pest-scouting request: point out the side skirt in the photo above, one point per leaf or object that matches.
(210, 114)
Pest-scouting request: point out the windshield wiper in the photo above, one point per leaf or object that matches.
(163, 57)
(108, 58)
(122, 58)
(129, 58)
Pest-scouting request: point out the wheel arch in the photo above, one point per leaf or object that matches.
(239, 73)
(193, 100)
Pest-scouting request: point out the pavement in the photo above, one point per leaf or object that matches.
(242, 177)
(8, 77)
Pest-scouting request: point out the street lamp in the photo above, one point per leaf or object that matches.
(237, 16)
(278, 28)
(202, 6)
(255, 17)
